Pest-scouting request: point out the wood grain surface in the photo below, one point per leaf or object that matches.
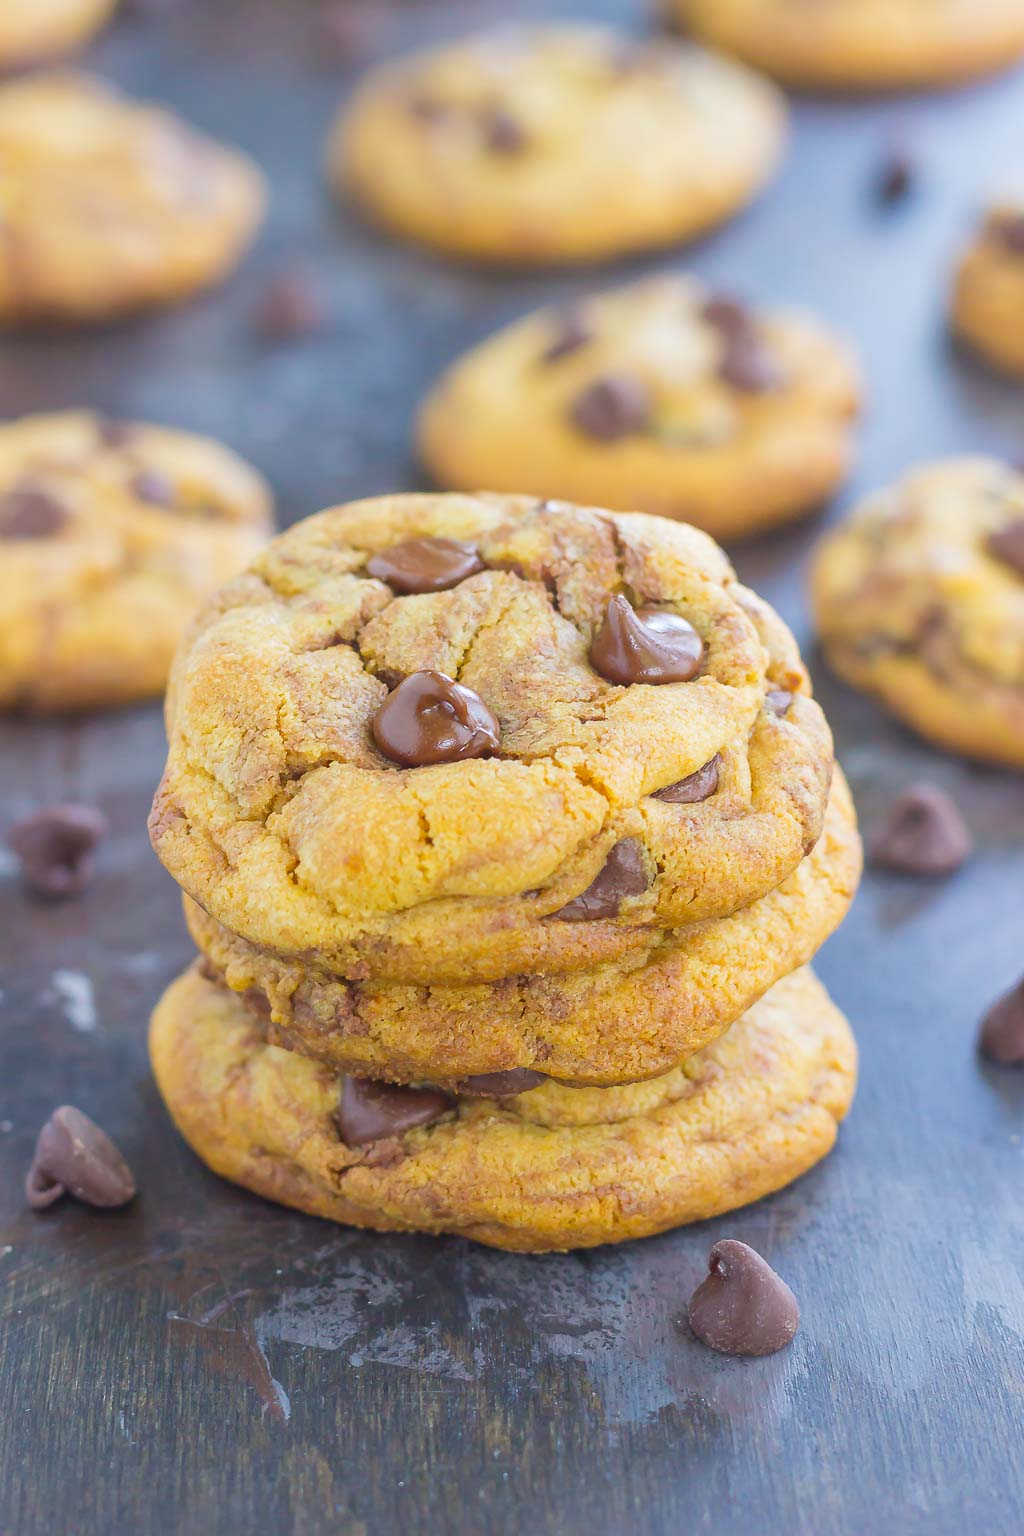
(204, 1363)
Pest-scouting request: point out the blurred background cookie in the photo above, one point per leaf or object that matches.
(988, 299)
(36, 29)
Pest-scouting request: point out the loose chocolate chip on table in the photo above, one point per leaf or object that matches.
(55, 847)
(26, 513)
(369, 1111)
(1008, 230)
(1007, 545)
(350, 30)
(692, 790)
(291, 305)
(612, 408)
(645, 645)
(895, 179)
(430, 718)
(624, 874)
(777, 701)
(1001, 1038)
(922, 833)
(503, 133)
(500, 1085)
(151, 486)
(74, 1157)
(571, 332)
(425, 565)
(743, 1307)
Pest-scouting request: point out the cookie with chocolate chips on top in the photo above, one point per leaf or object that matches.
(661, 396)
(111, 534)
(988, 295)
(523, 145)
(919, 597)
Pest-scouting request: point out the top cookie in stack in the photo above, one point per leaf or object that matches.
(472, 784)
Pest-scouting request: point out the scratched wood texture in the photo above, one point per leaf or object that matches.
(206, 1363)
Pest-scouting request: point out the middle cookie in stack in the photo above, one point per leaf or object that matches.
(462, 787)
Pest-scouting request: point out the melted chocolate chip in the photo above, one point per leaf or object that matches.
(154, 488)
(645, 645)
(425, 565)
(55, 848)
(612, 408)
(26, 513)
(290, 306)
(777, 701)
(571, 332)
(692, 790)
(1002, 1030)
(624, 874)
(1008, 230)
(1007, 545)
(369, 1111)
(430, 718)
(74, 1157)
(922, 833)
(503, 133)
(743, 1307)
(500, 1085)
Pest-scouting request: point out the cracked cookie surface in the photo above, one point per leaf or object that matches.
(36, 29)
(659, 396)
(551, 1169)
(861, 44)
(988, 298)
(280, 814)
(108, 205)
(111, 534)
(919, 598)
(552, 144)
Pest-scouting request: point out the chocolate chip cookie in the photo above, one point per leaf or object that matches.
(861, 44)
(35, 29)
(437, 739)
(988, 299)
(556, 144)
(111, 534)
(920, 600)
(551, 1168)
(660, 396)
(110, 206)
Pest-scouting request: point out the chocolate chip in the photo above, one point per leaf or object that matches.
(369, 1111)
(113, 433)
(895, 179)
(1002, 1030)
(55, 848)
(778, 701)
(612, 408)
(26, 513)
(426, 109)
(645, 645)
(74, 1157)
(922, 833)
(624, 874)
(570, 334)
(430, 718)
(690, 791)
(746, 363)
(1008, 230)
(1007, 545)
(728, 316)
(291, 305)
(151, 486)
(500, 1085)
(743, 1307)
(425, 565)
(503, 133)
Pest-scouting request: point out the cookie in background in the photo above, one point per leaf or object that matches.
(31, 30)
(988, 295)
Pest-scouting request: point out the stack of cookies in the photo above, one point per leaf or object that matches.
(507, 830)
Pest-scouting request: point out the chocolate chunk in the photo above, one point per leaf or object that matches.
(624, 874)
(690, 791)
(1002, 1030)
(425, 565)
(570, 334)
(74, 1157)
(291, 305)
(743, 1307)
(369, 1111)
(645, 645)
(430, 718)
(922, 833)
(151, 486)
(1007, 545)
(503, 133)
(26, 513)
(612, 408)
(777, 701)
(1008, 230)
(895, 179)
(746, 363)
(500, 1085)
(114, 433)
(55, 848)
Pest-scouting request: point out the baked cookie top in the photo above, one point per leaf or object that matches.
(111, 534)
(861, 44)
(661, 396)
(34, 29)
(459, 736)
(559, 143)
(107, 205)
(920, 596)
(552, 1168)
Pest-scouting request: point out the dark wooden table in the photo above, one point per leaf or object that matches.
(205, 1363)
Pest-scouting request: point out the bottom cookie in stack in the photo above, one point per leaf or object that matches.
(551, 1169)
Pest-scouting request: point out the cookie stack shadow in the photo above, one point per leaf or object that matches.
(508, 830)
